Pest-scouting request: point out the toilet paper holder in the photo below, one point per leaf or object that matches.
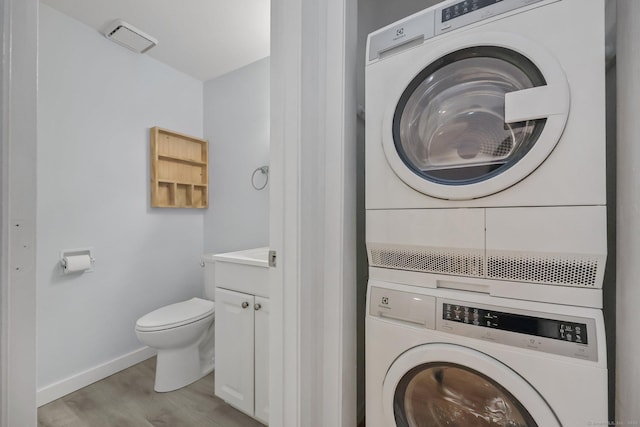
(79, 260)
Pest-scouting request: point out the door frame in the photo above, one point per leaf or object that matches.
(18, 213)
(313, 213)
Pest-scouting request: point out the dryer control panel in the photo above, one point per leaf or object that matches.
(421, 26)
(564, 335)
(466, 12)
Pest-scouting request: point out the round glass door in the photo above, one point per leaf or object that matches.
(449, 126)
(438, 385)
(477, 119)
(445, 394)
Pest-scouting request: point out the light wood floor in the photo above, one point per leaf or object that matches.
(127, 399)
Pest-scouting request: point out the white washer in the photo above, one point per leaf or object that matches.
(485, 143)
(431, 362)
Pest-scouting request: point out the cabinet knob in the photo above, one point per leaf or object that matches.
(245, 304)
(257, 306)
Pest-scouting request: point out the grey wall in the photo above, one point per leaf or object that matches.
(97, 102)
(628, 214)
(236, 123)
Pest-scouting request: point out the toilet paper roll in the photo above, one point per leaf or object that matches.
(76, 263)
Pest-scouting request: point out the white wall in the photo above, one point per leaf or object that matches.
(236, 123)
(97, 102)
(628, 215)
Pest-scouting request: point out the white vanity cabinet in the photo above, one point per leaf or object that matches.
(242, 352)
(242, 333)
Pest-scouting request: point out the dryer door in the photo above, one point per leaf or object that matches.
(477, 119)
(448, 385)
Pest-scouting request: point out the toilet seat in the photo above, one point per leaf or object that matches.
(175, 315)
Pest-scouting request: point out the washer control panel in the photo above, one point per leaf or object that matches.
(551, 333)
(530, 325)
(533, 330)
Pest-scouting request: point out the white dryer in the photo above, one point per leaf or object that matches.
(485, 144)
(450, 358)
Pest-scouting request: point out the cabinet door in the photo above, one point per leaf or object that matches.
(262, 359)
(234, 349)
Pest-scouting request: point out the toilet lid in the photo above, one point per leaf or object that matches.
(175, 315)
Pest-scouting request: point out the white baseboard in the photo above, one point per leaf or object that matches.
(62, 388)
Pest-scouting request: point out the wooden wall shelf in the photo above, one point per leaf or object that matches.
(179, 170)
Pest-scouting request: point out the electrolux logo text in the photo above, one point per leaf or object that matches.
(384, 303)
(399, 33)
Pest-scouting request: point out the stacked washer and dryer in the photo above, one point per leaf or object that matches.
(486, 216)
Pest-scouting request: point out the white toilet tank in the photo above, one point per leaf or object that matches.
(208, 276)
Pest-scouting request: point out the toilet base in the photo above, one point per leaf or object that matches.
(177, 368)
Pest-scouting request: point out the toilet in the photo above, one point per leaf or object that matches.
(183, 334)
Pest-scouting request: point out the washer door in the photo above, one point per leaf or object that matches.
(478, 118)
(449, 385)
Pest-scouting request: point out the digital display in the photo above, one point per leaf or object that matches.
(465, 7)
(537, 326)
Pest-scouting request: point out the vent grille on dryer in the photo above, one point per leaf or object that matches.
(425, 259)
(556, 270)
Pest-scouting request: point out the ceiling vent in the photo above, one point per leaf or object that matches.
(130, 37)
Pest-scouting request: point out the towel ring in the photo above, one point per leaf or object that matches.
(265, 171)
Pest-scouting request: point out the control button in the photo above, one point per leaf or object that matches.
(447, 311)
